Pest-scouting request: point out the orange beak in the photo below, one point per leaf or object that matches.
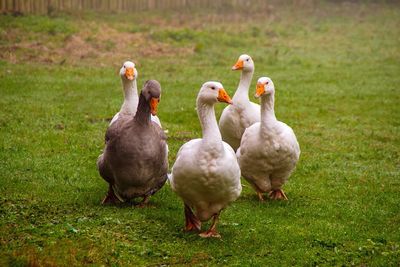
(130, 74)
(260, 89)
(153, 105)
(238, 65)
(224, 97)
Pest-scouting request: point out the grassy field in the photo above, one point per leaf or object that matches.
(336, 68)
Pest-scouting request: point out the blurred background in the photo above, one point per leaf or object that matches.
(335, 66)
(49, 6)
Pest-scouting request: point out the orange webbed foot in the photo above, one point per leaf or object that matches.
(210, 233)
(277, 194)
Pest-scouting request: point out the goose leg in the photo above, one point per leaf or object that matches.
(260, 196)
(212, 232)
(277, 194)
(110, 198)
(261, 186)
(144, 201)
(192, 223)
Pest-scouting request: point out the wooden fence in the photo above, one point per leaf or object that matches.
(49, 6)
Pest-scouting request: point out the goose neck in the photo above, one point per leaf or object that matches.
(209, 126)
(242, 92)
(267, 110)
(143, 114)
(130, 97)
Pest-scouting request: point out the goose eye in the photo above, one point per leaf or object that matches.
(266, 83)
(248, 59)
(212, 87)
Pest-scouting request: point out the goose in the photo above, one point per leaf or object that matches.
(129, 74)
(206, 174)
(243, 113)
(269, 150)
(135, 158)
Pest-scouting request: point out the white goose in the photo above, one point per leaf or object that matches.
(206, 174)
(269, 150)
(243, 113)
(129, 74)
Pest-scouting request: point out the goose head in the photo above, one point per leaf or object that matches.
(128, 71)
(265, 86)
(244, 63)
(152, 93)
(213, 92)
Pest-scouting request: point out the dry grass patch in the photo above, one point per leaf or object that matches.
(95, 43)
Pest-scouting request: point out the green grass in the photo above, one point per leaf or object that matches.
(336, 71)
